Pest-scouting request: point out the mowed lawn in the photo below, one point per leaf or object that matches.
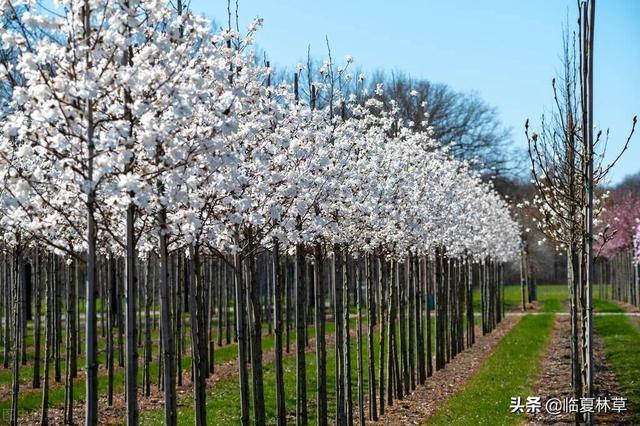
(621, 338)
(512, 369)
(552, 297)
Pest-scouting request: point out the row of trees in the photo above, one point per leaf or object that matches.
(412, 310)
(567, 165)
(619, 225)
(144, 153)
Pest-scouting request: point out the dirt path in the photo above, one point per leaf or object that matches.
(555, 381)
(422, 403)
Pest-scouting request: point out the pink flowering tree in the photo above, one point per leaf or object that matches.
(636, 245)
(618, 225)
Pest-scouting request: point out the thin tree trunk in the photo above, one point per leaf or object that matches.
(382, 284)
(36, 323)
(170, 409)
(371, 317)
(44, 416)
(358, 283)
(198, 372)
(321, 351)
(301, 375)
(6, 261)
(146, 374)
(179, 273)
(411, 322)
(16, 277)
(419, 308)
(57, 315)
(281, 413)
(69, 353)
(256, 345)
(111, 302)
(240, 332)
(91, 342)
(338, 283)
(347, 270)
(430, 285)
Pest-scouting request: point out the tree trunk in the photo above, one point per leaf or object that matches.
(6, 275)
(346, 335)
(336, 273)
(44, 416)
(131, 346)
(301, 375)
(36, 323)
(411, 322)
(17, 291)
(371, 316)
(255, 327)
(69, 352)
(91, 342)
(170, 409)
(358, 283)
(146, 374)
(430, 285)
(382, 285)
(111, 303)
(281, 413)
(240, 332)
(199, 386)
(321, 351)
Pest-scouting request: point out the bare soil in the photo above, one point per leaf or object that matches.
(555, 380)
(416, 408)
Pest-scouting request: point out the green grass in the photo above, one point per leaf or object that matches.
(600, 305)
(223, 400)
(511, 370)
(551, 296)
(31, 399)
(622, 349)
(226, 393)
(512, 298)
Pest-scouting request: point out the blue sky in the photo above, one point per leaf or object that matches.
(505, 50)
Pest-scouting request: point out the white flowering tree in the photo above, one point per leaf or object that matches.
(136, 133)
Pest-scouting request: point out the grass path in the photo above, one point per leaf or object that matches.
(485, 400)
(511, 370)
(621, 338)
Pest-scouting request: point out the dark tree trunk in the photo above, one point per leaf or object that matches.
(382, 285)
(198, 370)
(371, 317)
(360, 367)
(321, 351)
(281, 413)
(111, 303)
(44, 416)
(17, 317)
(69, 353)
(301, 374)
(146, 374)
(256, 345)
(170, 409)
(347, 274)
(240, 332)
(411, 320)
(36, 323)
(338, 283)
